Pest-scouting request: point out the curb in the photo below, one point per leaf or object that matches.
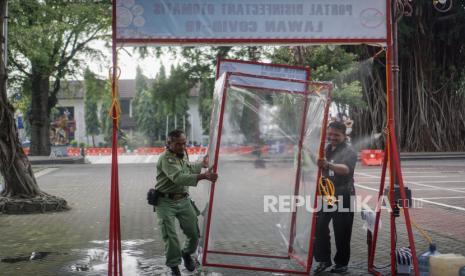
(42, 160)
(432, 155)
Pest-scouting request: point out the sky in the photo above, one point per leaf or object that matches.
(128, 60)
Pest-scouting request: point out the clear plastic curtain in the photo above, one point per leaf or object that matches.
(257, 136)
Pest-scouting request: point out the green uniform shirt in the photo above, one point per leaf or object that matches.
(175, 174)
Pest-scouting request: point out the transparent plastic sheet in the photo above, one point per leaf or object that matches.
(252, 224)
(201, 195)
(308, 175)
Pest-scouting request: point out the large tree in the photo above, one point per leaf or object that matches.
(94, 88)
(327, 64)
(431, 80)
(45, 40)
(21, 192)
(170, 98)
(106, 122)
(144, 110)
(432, 62)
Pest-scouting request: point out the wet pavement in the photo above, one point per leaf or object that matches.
(74, 242)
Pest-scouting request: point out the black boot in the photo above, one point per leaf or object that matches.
(175, 271)
(189, 263)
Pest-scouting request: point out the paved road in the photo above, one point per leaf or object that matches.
(75, 240)
(438, 187)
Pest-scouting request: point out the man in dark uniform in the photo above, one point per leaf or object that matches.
(174, 175)
(338, 166)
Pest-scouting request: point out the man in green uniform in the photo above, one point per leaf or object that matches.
(174, 176)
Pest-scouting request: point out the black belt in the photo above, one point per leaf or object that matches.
(174, 196)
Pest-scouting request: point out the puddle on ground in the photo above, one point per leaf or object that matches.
(134, 261)
(26, 258)
(92, 261)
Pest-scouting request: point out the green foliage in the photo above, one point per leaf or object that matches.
(144, 112)
(106, 122)
(205, 102)
(290, 109)
(141, 80)
(137, 140)
(93, 93)
(73, 143)
(170, 100)
(338, 66)
(166, 98)
(349, 94)
(249, 119)
(199, 66)
(46, 35)
(47, 40)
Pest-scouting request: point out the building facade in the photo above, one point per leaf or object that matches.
(69, 124)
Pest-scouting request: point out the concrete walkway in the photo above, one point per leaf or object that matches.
(74, 242)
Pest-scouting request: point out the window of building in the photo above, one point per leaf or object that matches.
(125, 106)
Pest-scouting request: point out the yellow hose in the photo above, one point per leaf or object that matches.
(326, 188)
(419, 228)
(115, 105)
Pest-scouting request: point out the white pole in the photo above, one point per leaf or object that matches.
(167, 122)
(175, 121)
(192, 129)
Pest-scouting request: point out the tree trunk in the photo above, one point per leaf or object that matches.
(39, 119)
(14, 165)
(21, 194)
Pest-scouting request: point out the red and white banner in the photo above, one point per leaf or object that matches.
(229, 22)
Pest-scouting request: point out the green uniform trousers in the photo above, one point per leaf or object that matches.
(183, 210)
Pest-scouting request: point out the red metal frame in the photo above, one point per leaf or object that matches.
(258, 269)
(372, 245)
(300, 261)
(215, 169)
(321, 154)
(304, 264)
(114, 250)
(297, 179)
(391, 156)
(303, 68)
(248, 254)
(244, 42)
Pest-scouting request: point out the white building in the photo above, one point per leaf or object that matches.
(71, 102)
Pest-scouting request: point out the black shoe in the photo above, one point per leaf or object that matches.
(322, 266)
(189, 263)
(175, 271)
(339, 269)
